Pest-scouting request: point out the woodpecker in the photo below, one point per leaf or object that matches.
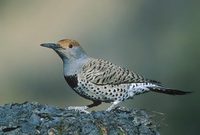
(100, 80)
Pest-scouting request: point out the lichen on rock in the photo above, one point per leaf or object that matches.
(36, 119)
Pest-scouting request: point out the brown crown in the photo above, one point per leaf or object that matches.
(68, 43)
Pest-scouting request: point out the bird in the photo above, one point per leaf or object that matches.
(99, 80)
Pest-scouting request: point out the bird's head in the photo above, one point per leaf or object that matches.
(67, 49)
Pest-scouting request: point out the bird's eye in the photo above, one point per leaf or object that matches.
(70, 45)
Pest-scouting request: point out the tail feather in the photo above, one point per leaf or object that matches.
(169, 91)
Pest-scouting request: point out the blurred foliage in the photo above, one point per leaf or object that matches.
(159, 39)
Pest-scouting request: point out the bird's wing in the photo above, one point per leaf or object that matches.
(102, 72)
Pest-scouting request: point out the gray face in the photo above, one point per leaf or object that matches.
(66, 51)
(73, 56)
(70, 53)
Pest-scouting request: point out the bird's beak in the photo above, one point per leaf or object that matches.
(50, 45)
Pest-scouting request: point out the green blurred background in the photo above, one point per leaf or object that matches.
(159, 39)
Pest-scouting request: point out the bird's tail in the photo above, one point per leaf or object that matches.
(168, 91)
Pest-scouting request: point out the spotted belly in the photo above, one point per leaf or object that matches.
(105, 93)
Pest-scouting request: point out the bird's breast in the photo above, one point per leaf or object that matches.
(72, 80)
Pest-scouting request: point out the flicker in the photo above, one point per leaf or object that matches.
(100, 80)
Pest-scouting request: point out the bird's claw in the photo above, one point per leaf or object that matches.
(79, 108)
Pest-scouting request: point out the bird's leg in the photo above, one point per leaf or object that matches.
(95, 103)
(78, 108)
(113, 105)
(83, 108)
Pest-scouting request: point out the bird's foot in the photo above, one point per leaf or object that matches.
(79, 108)
(113, 105)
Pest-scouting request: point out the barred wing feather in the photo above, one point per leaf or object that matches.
(102, 72)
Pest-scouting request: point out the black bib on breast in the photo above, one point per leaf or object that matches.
(72, 80)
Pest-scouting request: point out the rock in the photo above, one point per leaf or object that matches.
(36, 119)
